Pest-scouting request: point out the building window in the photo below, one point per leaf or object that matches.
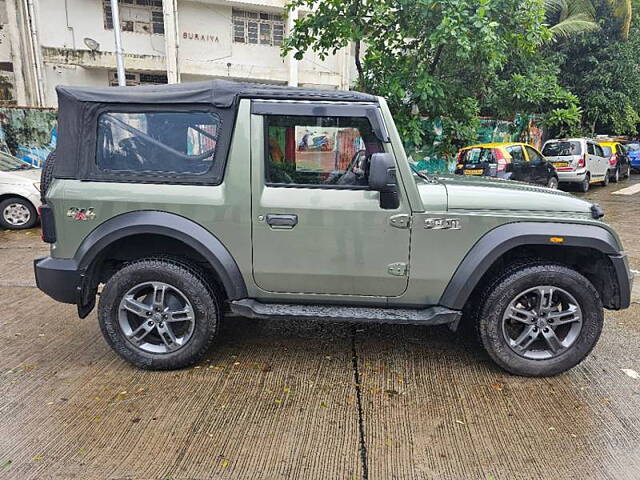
(257, 27)
(135, 79)
(140, 16)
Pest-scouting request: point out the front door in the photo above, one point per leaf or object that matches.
(539, 171)
(317, 227)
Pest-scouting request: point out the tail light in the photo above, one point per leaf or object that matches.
(502, 162)
(47, 223)
(583, 161)
(613, 160)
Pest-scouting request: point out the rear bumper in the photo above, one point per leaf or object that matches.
(59, 278)
(574, 176)
(625, 280)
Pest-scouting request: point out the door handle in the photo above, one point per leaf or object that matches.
(278, 220)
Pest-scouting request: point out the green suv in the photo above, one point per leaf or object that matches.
(180, 204)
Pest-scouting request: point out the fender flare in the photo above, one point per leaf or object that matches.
(169, 225)
(501, 239)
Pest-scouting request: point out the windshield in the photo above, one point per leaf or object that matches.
(632, 147)
(563, 148)
(9, 163)
(606, 150)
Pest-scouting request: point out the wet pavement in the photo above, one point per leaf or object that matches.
(285, 399)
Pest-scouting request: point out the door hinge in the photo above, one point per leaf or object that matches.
(398, 269)
(401, 220)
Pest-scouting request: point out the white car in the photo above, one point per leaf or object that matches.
(578, 160)
(19, 193)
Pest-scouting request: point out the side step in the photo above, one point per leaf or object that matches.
(435, 315)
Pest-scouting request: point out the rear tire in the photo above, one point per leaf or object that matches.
(605, 180)
(615, 178)
(552, 183)
(584, 185)
(159, 314)
(540, 319)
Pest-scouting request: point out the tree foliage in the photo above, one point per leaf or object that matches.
(429, 58)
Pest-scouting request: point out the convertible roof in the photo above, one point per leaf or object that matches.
(220, 93)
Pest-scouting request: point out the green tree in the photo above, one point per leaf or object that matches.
(434, 59)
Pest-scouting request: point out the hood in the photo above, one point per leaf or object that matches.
(14, 177)
(486, 193)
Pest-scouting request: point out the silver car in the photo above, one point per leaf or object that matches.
(579, 161)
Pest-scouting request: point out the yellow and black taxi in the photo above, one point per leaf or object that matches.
(511, 161)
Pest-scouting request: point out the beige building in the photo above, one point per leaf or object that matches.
(44, 43)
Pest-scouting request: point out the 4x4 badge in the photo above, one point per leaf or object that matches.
(442, 224)
(81, 213)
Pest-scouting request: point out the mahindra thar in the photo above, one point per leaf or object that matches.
(178, 204)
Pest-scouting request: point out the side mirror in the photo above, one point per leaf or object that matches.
(382, 178)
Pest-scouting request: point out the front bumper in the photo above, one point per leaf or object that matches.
(59, 278)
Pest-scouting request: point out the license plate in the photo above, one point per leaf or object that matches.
(477, 171)
(561, 164)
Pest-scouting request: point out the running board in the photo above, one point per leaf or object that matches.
(435, 315)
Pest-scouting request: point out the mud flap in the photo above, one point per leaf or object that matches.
(86, 296)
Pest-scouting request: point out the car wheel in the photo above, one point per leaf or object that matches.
(159, 314)
(584, 185)
(628, 172)
(540, 319)
(17, 214)
(553, 183)
(46, 176)
(615, 178)
(605, 180)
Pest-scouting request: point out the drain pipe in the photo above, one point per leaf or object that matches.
(115, 15)
(35, 51)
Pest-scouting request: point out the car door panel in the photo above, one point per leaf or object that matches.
(341, 243)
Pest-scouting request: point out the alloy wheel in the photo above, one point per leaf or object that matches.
(542, 322)
(16, 214)
(156, 317)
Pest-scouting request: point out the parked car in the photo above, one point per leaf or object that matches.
(510, 161)
(164, 198)
(579, 161)
(19, 193)
(633, 149)
(619, 164)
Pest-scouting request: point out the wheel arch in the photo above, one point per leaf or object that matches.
(590, 249)
(161, 225)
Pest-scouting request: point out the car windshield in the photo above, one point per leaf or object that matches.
(562, 148)
(606, 150)
(476, 155)
(9, 163)
(632, 147)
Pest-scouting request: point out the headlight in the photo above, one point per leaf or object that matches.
(37, 186)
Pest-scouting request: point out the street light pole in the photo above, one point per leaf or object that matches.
(115, 15)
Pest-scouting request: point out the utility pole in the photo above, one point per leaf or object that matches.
(115, 15)
(293, 63)
(171, 41)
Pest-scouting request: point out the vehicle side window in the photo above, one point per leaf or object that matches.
(327, 151)
(590, 149)
(534, 156)
(157, 142)
(599, 151)
(517, 154)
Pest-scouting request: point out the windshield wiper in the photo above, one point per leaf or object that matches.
(420, 174)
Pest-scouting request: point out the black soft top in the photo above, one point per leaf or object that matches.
(80, 107)
(219, 93)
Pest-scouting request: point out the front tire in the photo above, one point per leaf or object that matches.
(159, 314)
(17, 214)
(540, 319)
